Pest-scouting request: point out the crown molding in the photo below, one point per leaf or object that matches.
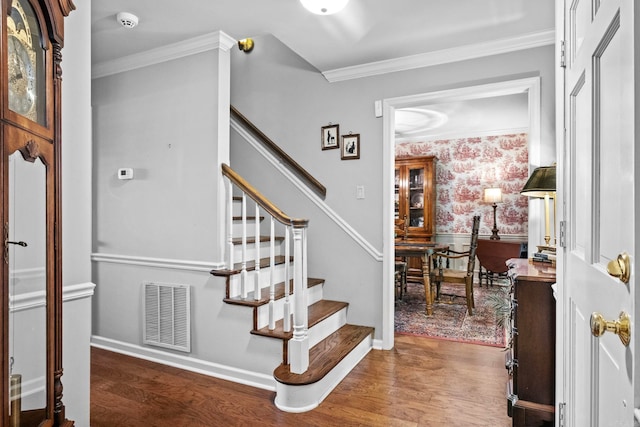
(445, 56)
(206, 42)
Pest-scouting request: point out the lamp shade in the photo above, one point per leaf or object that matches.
(493, 195)
(541, 183)
(324, 7)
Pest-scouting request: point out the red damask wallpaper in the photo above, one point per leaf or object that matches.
(466, 166)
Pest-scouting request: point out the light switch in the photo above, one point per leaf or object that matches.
(360, 192)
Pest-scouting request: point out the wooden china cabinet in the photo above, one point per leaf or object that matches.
(30, 137)
(415, 202)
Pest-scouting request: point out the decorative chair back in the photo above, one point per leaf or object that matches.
(471, 264)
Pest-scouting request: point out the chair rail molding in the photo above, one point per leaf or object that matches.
(174, 264)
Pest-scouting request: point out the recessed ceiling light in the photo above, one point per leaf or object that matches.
(324, 7)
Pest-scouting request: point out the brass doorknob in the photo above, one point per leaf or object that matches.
(620, 267)
(620, 327)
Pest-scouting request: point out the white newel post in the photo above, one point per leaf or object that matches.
(299, 343)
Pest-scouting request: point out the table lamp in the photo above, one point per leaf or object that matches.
(494, 196)
(542, 184)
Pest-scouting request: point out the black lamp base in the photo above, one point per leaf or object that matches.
(494, 236)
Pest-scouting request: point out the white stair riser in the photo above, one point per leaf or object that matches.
(307, 397)
(251, 250)
(263, 275)
(314, 295)
(328, 326)
(236, 229)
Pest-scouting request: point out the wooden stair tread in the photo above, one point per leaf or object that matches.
(325, 356)
(237, 267)
(252, 240)
(317, 313)
(264, 297)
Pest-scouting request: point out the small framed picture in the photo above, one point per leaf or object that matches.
(350, 147)
(330, 137)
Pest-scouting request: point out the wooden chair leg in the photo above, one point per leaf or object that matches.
(470, 302)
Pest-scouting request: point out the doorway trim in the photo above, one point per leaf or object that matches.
(531, 86)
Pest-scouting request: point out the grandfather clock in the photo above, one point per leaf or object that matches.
(30, 137)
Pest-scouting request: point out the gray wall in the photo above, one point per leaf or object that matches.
(76, 210)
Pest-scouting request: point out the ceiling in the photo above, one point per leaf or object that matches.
(366, 31)
(460, 119)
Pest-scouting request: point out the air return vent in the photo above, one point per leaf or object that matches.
(167, 315)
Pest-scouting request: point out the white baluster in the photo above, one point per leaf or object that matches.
(256, 287)
(229, 210)
(243, 274)
(272, 276)
(299, 343)
(286, 322)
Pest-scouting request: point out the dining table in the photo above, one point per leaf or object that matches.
(423, 250)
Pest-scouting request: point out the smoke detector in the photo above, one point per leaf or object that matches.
(127, 20)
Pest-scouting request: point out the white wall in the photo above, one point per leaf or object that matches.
(76, 211)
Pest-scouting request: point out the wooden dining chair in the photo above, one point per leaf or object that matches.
(400, 231)
(440, 273)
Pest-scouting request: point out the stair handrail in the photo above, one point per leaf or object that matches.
(298, 345)
(295, 166)
(261, 200)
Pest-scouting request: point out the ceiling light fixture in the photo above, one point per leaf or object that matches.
(127, 20)
(324, 7)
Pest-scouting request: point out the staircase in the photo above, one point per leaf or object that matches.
(319, 347)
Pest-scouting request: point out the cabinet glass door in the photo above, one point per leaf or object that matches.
(25, 252)
(416, 197)
(397, 195)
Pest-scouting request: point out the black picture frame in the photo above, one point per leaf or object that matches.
(329, 137)
(350, 147)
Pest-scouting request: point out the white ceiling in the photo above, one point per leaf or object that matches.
(460, 119)
(365, 31)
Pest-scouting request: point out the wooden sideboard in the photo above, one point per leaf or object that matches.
(530, 358)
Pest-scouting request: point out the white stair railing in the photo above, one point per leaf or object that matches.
(299, 343)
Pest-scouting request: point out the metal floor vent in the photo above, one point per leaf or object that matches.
(167, 315)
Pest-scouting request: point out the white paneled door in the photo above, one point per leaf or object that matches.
(597, 174)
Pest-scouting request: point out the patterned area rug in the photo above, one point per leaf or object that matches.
(451, 321)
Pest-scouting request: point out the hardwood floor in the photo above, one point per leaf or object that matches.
(421, 382)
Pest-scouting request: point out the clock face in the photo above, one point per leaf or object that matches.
(22, 78)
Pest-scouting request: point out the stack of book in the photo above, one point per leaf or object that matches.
(545, 256)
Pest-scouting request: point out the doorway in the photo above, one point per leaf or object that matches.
(530, 86)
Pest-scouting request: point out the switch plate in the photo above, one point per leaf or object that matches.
(378, 108)
(360, 192)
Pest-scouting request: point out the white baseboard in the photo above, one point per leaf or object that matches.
(199, 366)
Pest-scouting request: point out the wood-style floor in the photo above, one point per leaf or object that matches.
(422, 382)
